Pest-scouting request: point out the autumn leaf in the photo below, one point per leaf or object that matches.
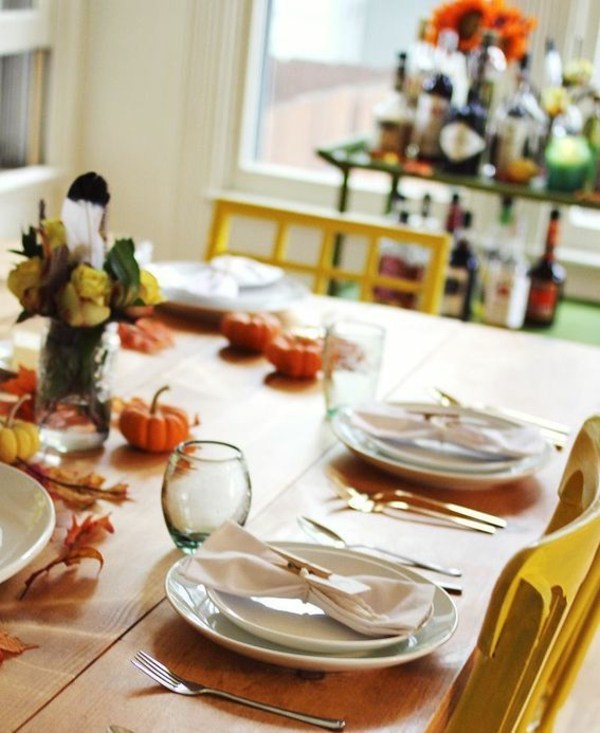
(12, 645)
(87, 531)
(72, 557)
(24, 383)
(75, 489)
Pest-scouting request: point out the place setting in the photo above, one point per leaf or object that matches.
(438, 445)
(295, 604)
(226, 283)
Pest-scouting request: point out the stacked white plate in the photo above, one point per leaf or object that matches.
(435, 463)
(226, 284)
(26, 520)
(299, 635)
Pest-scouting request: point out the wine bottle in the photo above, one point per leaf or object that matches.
(462, 138)
(517, 131)
(454, 214)
(394, 118)
(460, 275)
(434, 102)
(547, 278)
(505, 279)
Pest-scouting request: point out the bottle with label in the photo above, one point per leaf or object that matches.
(462, 138)
(517, 132)
(434, 101)
(394, 118)
(547, 278)
(460, 275)
(504, 275)
(454, 214)
(425, 219)
(553, 66)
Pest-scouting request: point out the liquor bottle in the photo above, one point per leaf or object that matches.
(487, 65)
(420, 64)
(505, 280)
(460, 275)
(547, 278)
(462, 137)
(394, 118)
(454, 214)
(434, 101)
(553, 67)
(517, 131)
(425, 218)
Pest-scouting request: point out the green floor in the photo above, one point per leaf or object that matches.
(575, 321)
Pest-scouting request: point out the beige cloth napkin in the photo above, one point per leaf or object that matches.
(234, 561)
(486, 437)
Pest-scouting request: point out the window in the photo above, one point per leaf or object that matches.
(325, 65)
(24, 61)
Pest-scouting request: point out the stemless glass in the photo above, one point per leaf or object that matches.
(206, 483)
(351, 363)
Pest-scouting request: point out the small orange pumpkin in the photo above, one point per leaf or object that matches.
(295, 356)
(250, 331)
(154, 428)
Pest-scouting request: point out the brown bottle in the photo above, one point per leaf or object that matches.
(547, 278)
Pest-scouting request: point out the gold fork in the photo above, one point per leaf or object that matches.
(365, 503)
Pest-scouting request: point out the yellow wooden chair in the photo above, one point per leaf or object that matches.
(322, 267)
(544, 611)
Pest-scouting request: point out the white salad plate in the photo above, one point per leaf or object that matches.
(27, 520)
(193, 603)
(439, 466)
(172, 276)
(293, 623)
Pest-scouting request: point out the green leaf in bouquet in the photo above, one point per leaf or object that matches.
(122, 266)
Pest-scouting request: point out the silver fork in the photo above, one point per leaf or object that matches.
(161, 674)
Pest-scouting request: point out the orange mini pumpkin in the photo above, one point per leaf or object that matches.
(154, 428)
(295, 356)
(250, 331)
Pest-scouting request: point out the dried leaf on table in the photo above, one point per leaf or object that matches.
(88, 530)
(146, 335)
(73, 556)
(75, 489)
(25, 383)
(12, 645)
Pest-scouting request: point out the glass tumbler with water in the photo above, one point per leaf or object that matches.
(351, 363)
(206, 483)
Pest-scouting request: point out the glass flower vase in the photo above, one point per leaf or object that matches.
(73, 401)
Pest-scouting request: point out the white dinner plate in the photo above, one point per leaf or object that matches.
(276, 296)
(26, 520)
(433, 470)
(293, 623)
(193, 604)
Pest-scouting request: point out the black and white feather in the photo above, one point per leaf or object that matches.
(82, 214)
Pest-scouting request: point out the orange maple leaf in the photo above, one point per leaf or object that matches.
(79, 534)
(24, 383)
(12, 645)
(73, 556)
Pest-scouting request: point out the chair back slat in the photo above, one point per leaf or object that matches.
(334, 229)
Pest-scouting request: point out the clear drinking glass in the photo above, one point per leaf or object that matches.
(205, 484)
(351, 363)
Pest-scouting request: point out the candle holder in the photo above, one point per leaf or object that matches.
(567, 163)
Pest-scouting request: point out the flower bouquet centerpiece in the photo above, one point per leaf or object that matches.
(71, 276)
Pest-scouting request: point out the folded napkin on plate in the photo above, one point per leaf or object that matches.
(200, 280)
(246, 272)
(234, 561)
(487, 437)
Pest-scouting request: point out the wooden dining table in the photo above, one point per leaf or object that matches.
(88, 623)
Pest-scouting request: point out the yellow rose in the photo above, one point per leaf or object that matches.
(53, 233)
(83, 301)
(25, 281)
(91, 284)
(77, 311)
(149, 288)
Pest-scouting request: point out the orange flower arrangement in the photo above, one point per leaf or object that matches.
(470, 18)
